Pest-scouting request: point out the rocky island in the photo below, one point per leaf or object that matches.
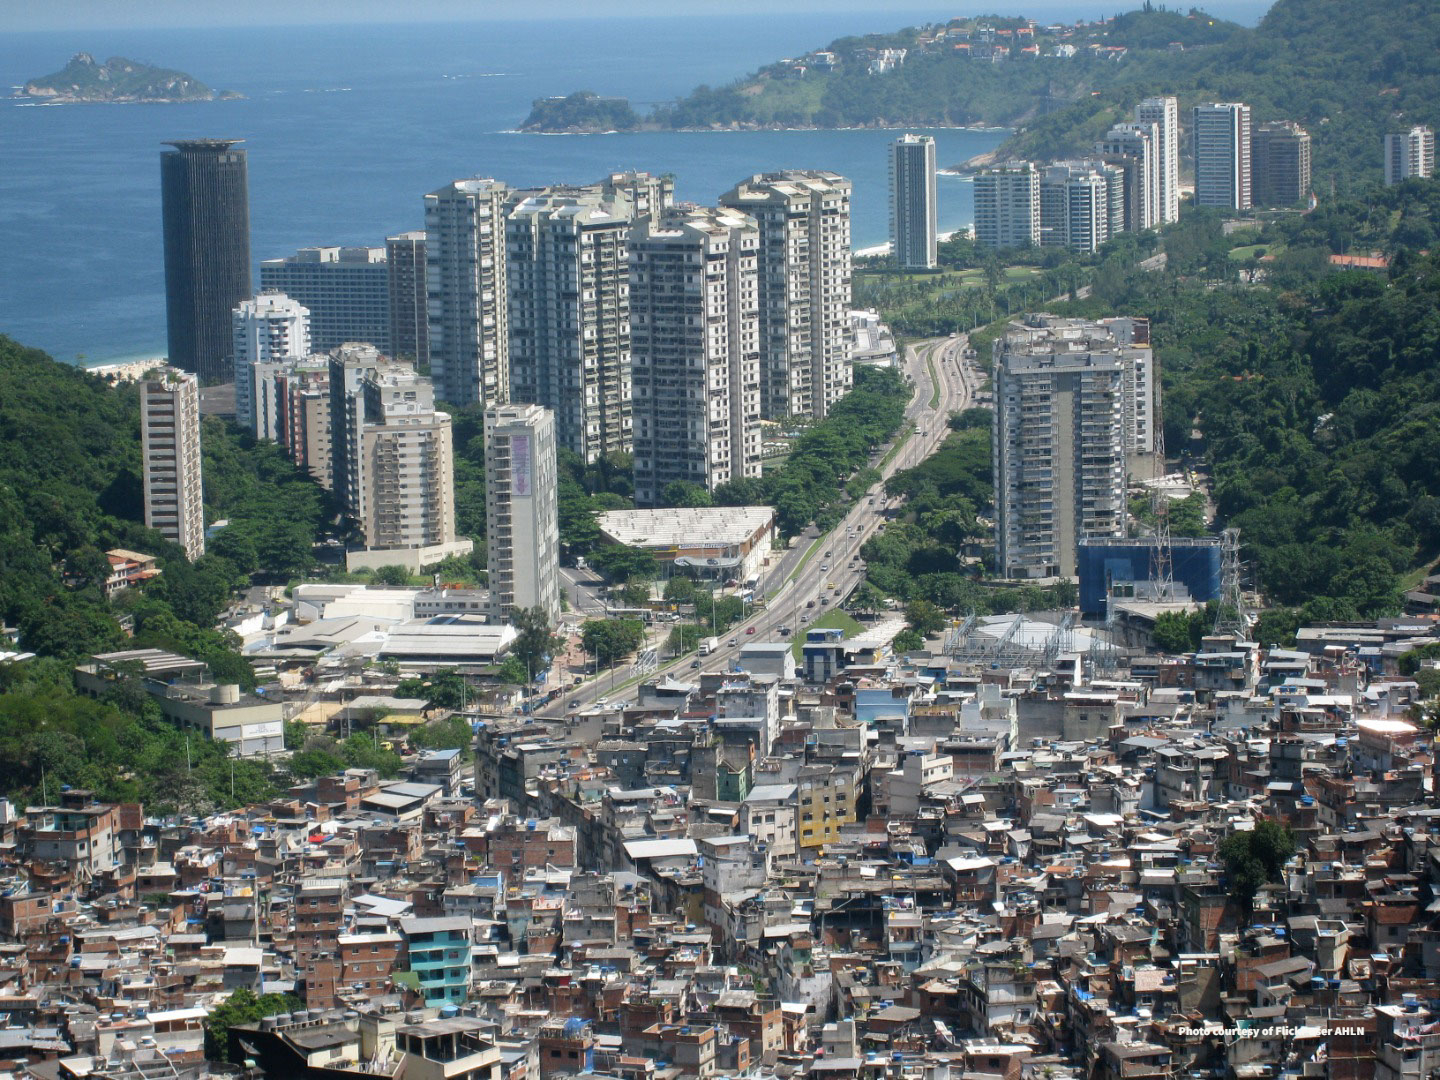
(84, 80)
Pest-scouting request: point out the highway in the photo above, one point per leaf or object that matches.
(797, 594)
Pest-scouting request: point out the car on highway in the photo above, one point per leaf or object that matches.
(749, 630)
(827, 554)
(694, 663)
(829, 585)
(574, 703)
(810, 604)
(824, 600)
(601, 702)
(734, 642)
(782, 630)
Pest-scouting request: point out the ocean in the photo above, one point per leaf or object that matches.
(347, 127)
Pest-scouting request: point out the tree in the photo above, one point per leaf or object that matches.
(684, 493)
(908, 640)
(512, 670)
(623, 564)
(1254, 858)
(682, 638)
(534, 644)
(444, 690)
(1172, 632)
(608, 640)
(680, 589)
(241, 1007)
(391, 575)
(924, 618)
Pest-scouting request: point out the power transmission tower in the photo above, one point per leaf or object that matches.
(1162, 571)
(1230, 618)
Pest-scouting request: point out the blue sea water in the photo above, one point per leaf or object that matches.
(348, 126)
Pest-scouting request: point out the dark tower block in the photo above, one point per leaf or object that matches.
(206, 203)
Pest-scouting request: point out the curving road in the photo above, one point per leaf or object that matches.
(796, 584)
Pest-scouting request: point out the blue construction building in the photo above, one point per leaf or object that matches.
(1125, 568)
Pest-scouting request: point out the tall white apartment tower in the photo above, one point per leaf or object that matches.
(694, 311)
(914, 216)
(1164, 113)
(170, 452)
(1409, 153)
(569, 317)
(1222, 155)
(469, 333)
(1076, 204)
(1062, 427)
(268, 330)
(804, 271)
(1007, 206)
(1134, 148)
(521, 520)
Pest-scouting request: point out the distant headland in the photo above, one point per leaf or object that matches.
(85, 81)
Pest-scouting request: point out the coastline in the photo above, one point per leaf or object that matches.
(651, 129)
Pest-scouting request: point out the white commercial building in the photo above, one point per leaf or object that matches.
(716, 542)
(696, 348)
(1164, 113)
(522, 520)
(1409, 154)
(1074, 402)
(346, 289)
(465, 275)
(914, 214)
(804, 285)
(1222, 155)
(569, 317)
(1007, 206)
(269, 329)
(170, 458)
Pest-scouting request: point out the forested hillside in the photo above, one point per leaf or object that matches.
(1347, 71)
(1316, 390)
(70, 489)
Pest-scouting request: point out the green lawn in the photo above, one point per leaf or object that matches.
(832, 619)
(1249, 251)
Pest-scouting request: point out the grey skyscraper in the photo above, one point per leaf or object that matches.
(804, 271)
(569, 313)
(205, 199)
(347, 290)
(913, 214)
(1280, 163)
(409, 317)
(1222, 155)
(696, 347)
(1007, 206)
(465, 277)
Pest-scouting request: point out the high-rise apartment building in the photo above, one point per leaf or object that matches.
(1079, 202)
(409, 307)
(1409, 154)
(1134, 149)
(1280, 164)
(268, 329)
(649, 195)
(1007, 206)
(466, 283)
(522, 530)
(170, 459)
(914, 213)
(302, 409)
(694, 310)
(347, 290)
(1073, 401)
(1221, 133)
(1164, 113)
(569, 313)
(205, 198)
(804, 273)
(391, 452)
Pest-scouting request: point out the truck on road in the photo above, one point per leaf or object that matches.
(708, 645)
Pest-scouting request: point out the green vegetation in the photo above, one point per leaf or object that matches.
(609, 640)
(241, 1007)
(834, 619)
(1255, 858)
(827, 470)
(117, 79)
(581, 111)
